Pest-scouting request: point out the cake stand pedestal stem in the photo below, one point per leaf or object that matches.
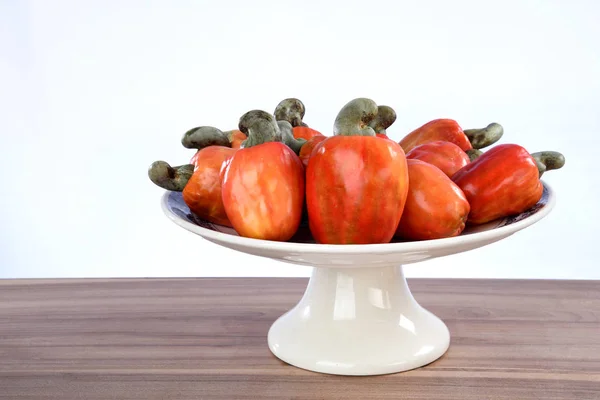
(358, 321)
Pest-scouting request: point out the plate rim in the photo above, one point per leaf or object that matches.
(380, 248)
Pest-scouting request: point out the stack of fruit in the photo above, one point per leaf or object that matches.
(356, 186)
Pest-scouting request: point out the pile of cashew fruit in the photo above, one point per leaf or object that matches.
(356, 185)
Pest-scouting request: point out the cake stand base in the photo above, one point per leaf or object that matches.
(358, 321)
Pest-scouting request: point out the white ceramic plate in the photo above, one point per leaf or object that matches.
(357, 316)
(303, 250)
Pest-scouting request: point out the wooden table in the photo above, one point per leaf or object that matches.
(206, 339)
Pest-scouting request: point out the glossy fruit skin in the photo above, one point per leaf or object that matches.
(356, 187)
(435, 207)
(308, 148)
(503, 181)
(263, 191)
(445, 155)
(202, 193)
(236, 137)
(382, 135)
(438, 129)
(304, 132)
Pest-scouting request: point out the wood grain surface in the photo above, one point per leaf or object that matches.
(206, 339)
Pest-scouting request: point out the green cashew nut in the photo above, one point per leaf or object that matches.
(548, 160)
(385, 117)
(204, 136)
(291, 110)
(474, 154)
(287, 137)
(170, 178)
(354, 118)
(484, 137)
(260, 127)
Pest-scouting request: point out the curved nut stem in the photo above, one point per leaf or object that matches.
(291, 110)
(287, 137)
(260, 127)
(484, 137)
(204, 136)
(354, 118)
(386, 116)
(548, 160)
(474, 154)
(170, 178)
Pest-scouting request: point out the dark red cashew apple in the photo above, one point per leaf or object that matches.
(199, 181)
(202, 194)
(292, 110)
(356, 183)
(445, 155)
(263, 183)
(308, 148)
(435, 208)
(504, 181)
(449, 130)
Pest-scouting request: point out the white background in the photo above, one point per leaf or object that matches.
(91, 92)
